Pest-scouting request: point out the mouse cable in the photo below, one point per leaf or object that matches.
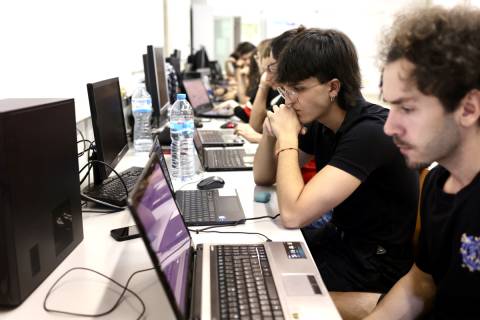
(200, 178)
(232, 232)
(237, 222)
(115, 305)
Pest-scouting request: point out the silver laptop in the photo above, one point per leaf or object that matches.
(201, 104)
(221, 158)
(276, 280)
(219, 138)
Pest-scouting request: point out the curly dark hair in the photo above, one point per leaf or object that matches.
(324, 54)
(444, 46)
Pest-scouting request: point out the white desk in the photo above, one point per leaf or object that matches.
(83, 292)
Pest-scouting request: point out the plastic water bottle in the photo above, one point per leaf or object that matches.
(142, 112)
(181, 133)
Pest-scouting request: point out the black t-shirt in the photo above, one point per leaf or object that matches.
(382, 210)
(449, 246)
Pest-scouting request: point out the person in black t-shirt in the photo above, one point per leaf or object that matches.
(432, 81)
(361, 174)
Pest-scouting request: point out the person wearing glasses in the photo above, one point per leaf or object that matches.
(431, 79)
(367, 246)
(266, 92)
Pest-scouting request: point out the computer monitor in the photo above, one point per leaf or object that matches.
(146, 71)
(108, 126)
(158, 84)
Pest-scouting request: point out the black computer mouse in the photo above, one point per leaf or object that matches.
(212, 182)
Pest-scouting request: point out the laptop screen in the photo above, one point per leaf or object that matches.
(164, 230)
(197, 94)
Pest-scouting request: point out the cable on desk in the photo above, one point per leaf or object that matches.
(235, 223)
(81, 135)
(115, 305)
(89, 165)
(232, 232)
(191, 182)
(103, 203)
(85, 149)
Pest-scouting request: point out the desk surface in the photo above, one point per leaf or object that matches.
(85, 292)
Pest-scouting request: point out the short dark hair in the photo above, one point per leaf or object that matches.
(443, 45)
(281, 41)
(325, 55)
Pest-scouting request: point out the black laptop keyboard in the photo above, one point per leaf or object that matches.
(111, 190)
(198, 206)
(226, 158)
(246, 286)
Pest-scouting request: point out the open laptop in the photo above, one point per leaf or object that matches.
(201, 104)
(201, 207)
(221, 158)
(219, 138)
(277, 280)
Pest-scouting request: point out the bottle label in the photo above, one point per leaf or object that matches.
(142, 105)
(181, 126)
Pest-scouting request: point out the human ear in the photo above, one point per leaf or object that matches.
(334, 87)
(470, 109)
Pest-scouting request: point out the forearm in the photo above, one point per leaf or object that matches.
(289, 184)
(264, 163)
(259, 111)
(410, 297)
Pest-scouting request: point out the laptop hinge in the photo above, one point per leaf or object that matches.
(214, 297)
(196, 300)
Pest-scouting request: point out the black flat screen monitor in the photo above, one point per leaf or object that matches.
(108, 125)
(157, 80)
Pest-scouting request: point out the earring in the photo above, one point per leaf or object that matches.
(332, 98)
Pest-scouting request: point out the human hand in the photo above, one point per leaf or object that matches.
(284, 122)
(246, 131)
(267, 128)
(265, 80)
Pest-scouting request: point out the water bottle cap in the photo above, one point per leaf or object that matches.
(181, 96)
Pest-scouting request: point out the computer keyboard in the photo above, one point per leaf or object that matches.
(246, 286)
(111, 190)
(226, 158)
(198, 206)
(211, 136)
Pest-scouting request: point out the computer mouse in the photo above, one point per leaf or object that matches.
(228, 125)
(213, 182)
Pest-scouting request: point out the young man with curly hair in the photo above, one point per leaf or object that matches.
(432, 81)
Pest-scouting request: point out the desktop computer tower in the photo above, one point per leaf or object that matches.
(40, 211)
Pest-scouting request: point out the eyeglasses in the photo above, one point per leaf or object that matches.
(272, 67)
(292, 94)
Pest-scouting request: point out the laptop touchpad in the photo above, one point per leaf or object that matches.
(300, 285)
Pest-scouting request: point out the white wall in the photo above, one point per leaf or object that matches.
(362, 21)
(178, 27)
(52, 48)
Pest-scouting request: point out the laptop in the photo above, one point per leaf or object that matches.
(219, 138)
(201, 207)
(201, 104)
(221, 158)
(277, 280)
